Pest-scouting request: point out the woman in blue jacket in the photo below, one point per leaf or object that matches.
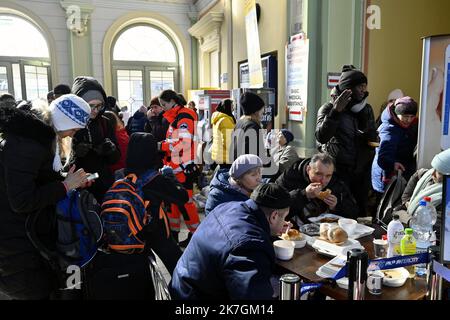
(398, 139)
(235, 184)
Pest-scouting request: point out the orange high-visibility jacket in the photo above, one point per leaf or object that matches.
(179, 146)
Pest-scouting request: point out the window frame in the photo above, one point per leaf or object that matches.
(144, 66)
(22, 62)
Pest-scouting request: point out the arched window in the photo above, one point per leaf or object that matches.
(145, 62)
(24, 58)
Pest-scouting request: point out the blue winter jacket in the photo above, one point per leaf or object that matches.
(221, 191)
(397, 144)
(137, 123)
(230, 257)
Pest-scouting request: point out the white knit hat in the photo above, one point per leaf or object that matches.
(69, 112)
(441, 162)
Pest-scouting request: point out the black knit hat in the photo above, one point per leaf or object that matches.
(350, 78)
(271, 195)
(251, 103)
(142, 153)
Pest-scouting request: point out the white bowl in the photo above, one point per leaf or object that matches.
(299, 243)
(397, 281)
(349, 225)
(284, 249)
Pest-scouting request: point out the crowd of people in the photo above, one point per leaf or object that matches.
(48, 148)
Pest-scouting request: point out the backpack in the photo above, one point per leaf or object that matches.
(78, 227)
(392, 198)
(124, 213)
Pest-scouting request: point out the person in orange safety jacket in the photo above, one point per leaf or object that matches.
(179, 154)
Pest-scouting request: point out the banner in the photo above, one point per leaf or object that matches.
(297, 58)
(433, 123)
(253, 48)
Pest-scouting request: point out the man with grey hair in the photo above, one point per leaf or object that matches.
(315, 189)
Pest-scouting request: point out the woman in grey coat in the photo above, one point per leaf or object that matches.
(285, 154)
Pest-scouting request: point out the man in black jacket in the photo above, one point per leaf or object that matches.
(95, 148)
(306, 180)
(346, 131)
(157, 125)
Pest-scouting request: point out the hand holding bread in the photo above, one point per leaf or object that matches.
(324, 194)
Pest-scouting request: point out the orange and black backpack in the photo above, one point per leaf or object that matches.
(124, 213)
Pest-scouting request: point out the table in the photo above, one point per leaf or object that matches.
(306, 261)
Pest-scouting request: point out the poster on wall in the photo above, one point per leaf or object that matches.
(433, 123)
(297, 55)
(253, 48)
(445, 137)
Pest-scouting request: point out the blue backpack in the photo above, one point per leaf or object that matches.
(124, 213)
(79, 230)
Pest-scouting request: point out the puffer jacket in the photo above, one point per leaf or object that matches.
(221, 191)
(98, 158)
(242, 144)
(230, 257)
(223, 126)
(28, 184)
(137, 123)
(296, 179)
(397, 144)
(344, 135)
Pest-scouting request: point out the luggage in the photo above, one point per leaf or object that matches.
(118, 276)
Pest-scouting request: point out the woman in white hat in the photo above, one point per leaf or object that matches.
(31, 150)
(426, 183)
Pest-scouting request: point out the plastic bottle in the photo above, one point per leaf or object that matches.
(432, 208)
(422, 224)
(434, 214)
(408, 247)
(395, 232)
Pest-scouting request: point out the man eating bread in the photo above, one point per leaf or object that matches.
(315, 190)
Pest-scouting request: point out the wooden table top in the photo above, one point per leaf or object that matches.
(306, 261)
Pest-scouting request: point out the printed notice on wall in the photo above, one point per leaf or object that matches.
(253, 48)
(297, 54)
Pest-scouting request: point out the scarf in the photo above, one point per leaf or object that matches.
(422, 190)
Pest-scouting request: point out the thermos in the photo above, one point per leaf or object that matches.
(290, 287)
(357, 263)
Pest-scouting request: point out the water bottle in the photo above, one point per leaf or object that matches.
(432, 208)
(422, 224)
(395, 232)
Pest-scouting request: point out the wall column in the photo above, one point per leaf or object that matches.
(78, 15)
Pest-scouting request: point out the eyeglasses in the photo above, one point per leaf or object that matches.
(97, 106)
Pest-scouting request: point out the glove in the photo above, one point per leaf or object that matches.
(82, 149)
(106, 148)
(191, 171)
(167, 171)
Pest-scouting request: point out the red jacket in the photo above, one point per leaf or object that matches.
(122, 140)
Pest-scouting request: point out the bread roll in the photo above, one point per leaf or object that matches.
(337, 235)
(323, 232)
(324, 194)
